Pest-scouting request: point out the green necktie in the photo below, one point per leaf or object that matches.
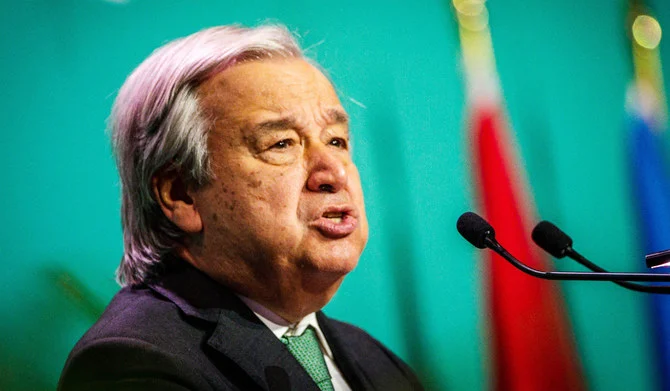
(307, 351)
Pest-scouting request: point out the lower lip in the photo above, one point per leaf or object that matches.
(336, 230)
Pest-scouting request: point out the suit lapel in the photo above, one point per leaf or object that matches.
(343, 355)
(251, 345)
(238, 334)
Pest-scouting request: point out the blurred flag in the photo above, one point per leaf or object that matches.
(531, 341)
(646, 109)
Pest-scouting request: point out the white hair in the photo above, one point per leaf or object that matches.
(157, 124)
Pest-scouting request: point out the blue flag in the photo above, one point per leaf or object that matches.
(651, 186)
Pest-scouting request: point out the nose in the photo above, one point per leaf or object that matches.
(326, 170)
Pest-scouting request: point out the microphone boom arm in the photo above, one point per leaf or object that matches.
(661, 289)
(493, 244)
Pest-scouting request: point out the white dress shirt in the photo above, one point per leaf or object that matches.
(280, 327)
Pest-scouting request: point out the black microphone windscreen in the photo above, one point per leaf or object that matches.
(474, 229)
(551, 239)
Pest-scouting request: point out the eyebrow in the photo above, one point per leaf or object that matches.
(333, 116)
(277, 124)
(337, 116)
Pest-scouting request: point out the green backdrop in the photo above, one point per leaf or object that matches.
(564, 67)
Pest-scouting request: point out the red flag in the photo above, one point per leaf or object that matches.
(531, 338)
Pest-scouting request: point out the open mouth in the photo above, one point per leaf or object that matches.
(335, 217)
(336, 223)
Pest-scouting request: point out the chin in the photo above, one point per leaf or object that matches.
(334, 256)
(321, 285)
(327, 269)
(336, 261)
(340, 267)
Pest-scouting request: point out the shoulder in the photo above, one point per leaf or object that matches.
(141, 341)
(141, 313)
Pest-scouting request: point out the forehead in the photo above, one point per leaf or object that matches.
(278, 85)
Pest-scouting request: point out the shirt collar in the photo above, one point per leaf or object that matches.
(280, 326)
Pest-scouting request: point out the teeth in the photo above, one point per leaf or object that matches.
(336, 217)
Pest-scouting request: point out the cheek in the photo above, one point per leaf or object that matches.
(357, 194)
(274, 192)
(356, 188)
(253, 199)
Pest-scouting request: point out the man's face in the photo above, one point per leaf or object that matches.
(286, 200)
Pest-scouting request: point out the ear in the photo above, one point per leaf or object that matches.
(173, 197)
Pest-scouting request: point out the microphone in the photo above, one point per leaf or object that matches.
(474, 229)
(557, 243)
(551, 239)
(481, 234)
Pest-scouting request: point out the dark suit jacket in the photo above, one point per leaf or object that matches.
(186, 332)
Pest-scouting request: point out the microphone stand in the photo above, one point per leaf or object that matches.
(574, 255)
(493, 244)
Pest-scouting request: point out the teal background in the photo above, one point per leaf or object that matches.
(564, 68)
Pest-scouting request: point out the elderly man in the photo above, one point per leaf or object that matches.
(242, 213)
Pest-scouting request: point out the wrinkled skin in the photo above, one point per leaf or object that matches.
(283, 221)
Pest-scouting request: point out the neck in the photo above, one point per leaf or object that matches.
(296, 298)
(291, 294)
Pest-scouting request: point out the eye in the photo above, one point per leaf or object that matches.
(339, 142)
(283, 144)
